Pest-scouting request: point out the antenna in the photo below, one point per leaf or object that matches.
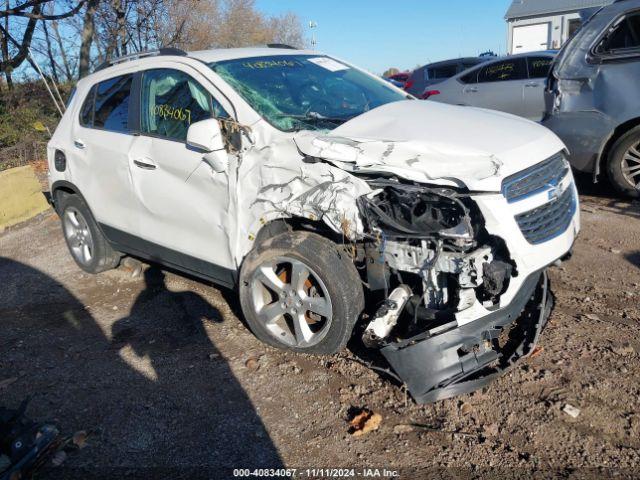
(312, 26)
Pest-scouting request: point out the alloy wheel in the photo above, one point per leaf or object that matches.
(631, 165)
(292, 302)
(78, 235)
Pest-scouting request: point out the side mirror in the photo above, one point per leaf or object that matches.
(205, 136)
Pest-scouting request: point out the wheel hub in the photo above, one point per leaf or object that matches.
(292, 302)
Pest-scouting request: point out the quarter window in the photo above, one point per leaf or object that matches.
(171, 101)
(86, 112)
(623, 37)
(504, 71)
(112, 104)
(539, 66)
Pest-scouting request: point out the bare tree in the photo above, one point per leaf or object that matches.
(33, 11)
(88, 31)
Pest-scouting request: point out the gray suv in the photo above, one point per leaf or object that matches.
(593, 100)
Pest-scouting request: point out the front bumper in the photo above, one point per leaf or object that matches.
(453, 360)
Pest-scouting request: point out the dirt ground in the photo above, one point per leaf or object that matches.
(170, 383)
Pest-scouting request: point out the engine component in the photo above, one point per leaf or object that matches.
(410, 211)
(387, 317)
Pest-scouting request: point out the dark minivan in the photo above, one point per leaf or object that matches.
(434, 73)
(593, 97)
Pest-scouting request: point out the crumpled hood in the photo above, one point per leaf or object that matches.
(430, 142)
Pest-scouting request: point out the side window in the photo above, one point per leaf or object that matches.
(112, 104)
(171, 101)
(504, 71)
(623, 37)
(445, 71)
(86, 112)
(539, 66)
(471, 77)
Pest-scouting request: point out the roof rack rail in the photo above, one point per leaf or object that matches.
(281, 45)
(136, 56)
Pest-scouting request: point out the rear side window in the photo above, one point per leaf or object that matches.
(539, 66)
(107, 105)
(504, 71)
(86, 112)
(623, 38)
(112, 104)
(171, 101)
(445, 71)
(471, 77)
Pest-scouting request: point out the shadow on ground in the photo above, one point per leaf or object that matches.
(138, 387)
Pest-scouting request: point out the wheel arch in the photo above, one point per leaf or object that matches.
(298, 224)
(619, 131)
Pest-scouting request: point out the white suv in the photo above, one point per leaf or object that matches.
(326, 196)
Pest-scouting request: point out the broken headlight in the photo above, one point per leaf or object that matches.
(416, 212)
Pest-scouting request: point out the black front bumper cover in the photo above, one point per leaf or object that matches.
(453, 360)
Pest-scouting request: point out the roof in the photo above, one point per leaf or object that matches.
(218, 55)
(535, 8)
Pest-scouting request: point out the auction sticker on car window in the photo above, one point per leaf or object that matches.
(329, 63)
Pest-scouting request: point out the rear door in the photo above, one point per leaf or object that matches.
(500, 86)
(101, 142)
(534, 103)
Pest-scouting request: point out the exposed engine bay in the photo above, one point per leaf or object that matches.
(431, 242)
(429, 253)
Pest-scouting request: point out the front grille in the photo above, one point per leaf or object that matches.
(549, 220)
(535, 179)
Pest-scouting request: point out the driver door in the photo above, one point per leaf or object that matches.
(183, 204)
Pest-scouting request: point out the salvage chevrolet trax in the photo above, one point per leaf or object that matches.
(329, 198)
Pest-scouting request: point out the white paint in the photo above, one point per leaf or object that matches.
(214, 215)
(531, 38)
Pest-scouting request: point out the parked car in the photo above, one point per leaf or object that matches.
(393, 82)
(512, 84)
(401, 77)
(593, 102)
(434, 73)
(320, 191)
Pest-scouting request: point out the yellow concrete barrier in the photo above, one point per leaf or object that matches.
(20, 196)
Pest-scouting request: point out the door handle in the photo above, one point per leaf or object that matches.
(144, 165)
(472, 90)
(532, 85)
(78, 144)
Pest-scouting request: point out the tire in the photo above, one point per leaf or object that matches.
(86, 242)
(301, 292)
(623, 155)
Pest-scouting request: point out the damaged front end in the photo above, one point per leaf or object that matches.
(442, 327)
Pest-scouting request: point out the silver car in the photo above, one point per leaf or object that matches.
(512, 84)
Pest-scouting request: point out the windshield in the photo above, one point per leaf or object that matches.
(305, 92)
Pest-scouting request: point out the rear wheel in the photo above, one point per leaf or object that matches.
(624, 164)
(87, 244)
(301, 292)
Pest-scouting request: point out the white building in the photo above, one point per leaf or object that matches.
(544, 24)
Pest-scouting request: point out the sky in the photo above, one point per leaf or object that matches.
(379, 34)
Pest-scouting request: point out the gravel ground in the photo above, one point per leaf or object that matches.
(170, 383)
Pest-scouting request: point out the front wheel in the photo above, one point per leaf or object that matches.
(624, 164)
(301, 292)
